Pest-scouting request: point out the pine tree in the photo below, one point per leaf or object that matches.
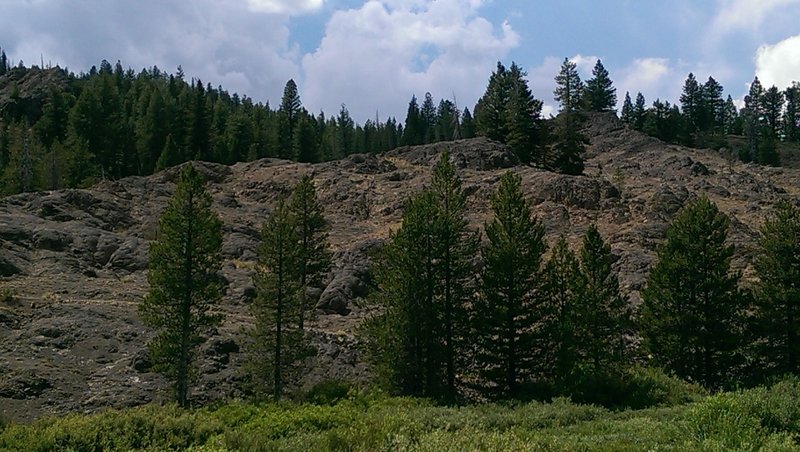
(413, 132)
(791, 121)
(345, 130)
(490, 111)
(569, 87)
(288, 114)
(773, 110)
(428, 118)
(313, 253)
(457, 245)
(569, 143)
(170, 155)
(523, 118)
(563, 286)
(185, 282)
(729, 117)
(692, 308)
(305, 144)
(279, 343)
(467, 124)
(778, 300)
(403, 339)
(691, 105)
(753, 114)
(713, 106)
(627, 114)
(599, 92)
(505, 313)
(639, 110)
(605, 313)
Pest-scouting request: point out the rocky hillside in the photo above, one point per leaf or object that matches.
(76, 260)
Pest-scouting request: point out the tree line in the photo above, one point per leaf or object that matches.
(705, 119)
(498, 312)
(112, 122)
(458, 313)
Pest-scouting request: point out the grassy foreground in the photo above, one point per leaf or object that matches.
(761, 418)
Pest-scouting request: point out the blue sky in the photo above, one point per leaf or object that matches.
(373, 55)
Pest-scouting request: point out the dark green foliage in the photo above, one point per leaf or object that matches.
(627, 112)
(505, 313)
(791, 117)
(639, 111)
(663, 121)
(414, 131)
(112, 123)
(692, 308)
(467, 124)
(170, 155)
(605, 314)
(403, 338)
(773, 101)
(313, 252)
(692, 104)
(417, 341)
(508, 112)
(560, 314)
(184, 278)
(279, 344)
(599, 92)
(569, 87)
(568, 143)
(777, 329)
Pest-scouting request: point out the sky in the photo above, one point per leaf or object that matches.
(374, 55)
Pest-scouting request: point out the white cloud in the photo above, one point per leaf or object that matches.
(221, 42)
(653, 77)
(379, 55)
(286, 7)
(779, 64)
(733, 15)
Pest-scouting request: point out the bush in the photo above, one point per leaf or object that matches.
(328, 392)
(636, 388)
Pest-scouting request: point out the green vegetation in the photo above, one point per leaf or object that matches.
(766, 418)
(185, 282)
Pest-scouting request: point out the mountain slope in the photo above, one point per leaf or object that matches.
(70, 340)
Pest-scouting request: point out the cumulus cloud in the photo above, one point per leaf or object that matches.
(779, 64)
(733, 15)
(379, 55)
(222, 42)
(653, 77)
(287, 7)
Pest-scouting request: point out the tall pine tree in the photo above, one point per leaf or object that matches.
(185, 281)
(599, 92)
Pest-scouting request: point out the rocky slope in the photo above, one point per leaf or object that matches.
(70, 339)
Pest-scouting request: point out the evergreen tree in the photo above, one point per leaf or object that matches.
(569, 87)
(278, 341)
(753, 114)
(522, 119)
(413, 132)
(773, 110)
(467, 124)
(569, 143)
(490, 111)
(599, 93)
(457, 245)
(313, 252)
(712, 117)
(639, 111)
(305, 143)
(605, 313)
(692, 308)
(428, 119)
(170, 155)
(403, 339)
(692, 105)
(627, 113)
(563, 286)
(729, 117)
(288, 114)
(791, 121)
(504, 315)
(345, 129)
(4, 67)
(185, 282)
(778, 300)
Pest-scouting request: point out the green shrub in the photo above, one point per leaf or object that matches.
(328, 392)
(636, 388)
